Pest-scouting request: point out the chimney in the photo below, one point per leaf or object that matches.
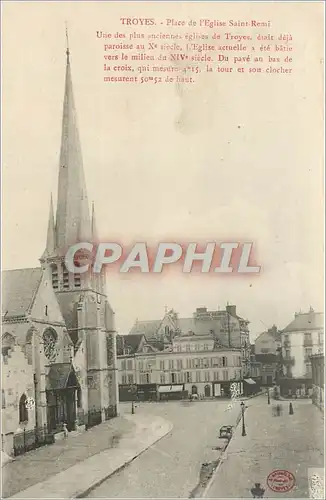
(232, 310)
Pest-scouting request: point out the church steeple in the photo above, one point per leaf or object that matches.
(72, 218)
(94, 226)
(50, 240)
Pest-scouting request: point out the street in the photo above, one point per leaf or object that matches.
(171, 467)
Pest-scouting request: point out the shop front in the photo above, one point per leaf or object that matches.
(172, 392)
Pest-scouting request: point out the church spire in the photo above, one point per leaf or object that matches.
(50, 240)
(72, 217)
(94, 226)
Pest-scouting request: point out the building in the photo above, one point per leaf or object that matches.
(176, 356)
(318, 379)
(267, 346)
(230, 329)
(58, 342)
(301, 338)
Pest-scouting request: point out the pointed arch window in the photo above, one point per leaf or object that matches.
(54, 276)
(29, 346)
(23, 411)
(8, 343)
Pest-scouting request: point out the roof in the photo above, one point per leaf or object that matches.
(60, 376)
(306, 321)
(147, 328)
(131, 341)
(19, 287)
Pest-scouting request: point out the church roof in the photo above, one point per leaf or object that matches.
(147, 328)
(306, 321)
(19, 287)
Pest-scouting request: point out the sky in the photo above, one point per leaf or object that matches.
(236, 158)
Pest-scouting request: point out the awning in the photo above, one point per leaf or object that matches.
(61, 376)
(170, 388)
(249, 381)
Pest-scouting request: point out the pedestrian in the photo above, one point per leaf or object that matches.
(65, 430)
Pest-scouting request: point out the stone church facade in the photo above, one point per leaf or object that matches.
(58, 337)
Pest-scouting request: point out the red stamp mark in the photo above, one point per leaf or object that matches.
(280, 481)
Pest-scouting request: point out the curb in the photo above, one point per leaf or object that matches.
(165, 428)
(221, 460)
(83, 494)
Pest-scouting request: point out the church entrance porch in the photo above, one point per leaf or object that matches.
(61, 395)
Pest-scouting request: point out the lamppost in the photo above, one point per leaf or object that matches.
(133, 390)
(268, 397)
(243, 422)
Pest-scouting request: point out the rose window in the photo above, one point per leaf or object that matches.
(50, 345)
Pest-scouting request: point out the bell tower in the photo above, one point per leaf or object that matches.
(82, 297)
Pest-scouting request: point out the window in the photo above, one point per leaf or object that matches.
(54, 277)
(167, 330)
(214, 361)
(187, 347)
(77, 280)
(180, 378)
(308, 352)
(65, 275)
(171, 364)
(162, 378)
(141, 365)
(197, 347)
(130, 378)
(129, 364)
(162, 365)
(148, 378)
(179, 364)
(224, 361)
(178, 348)
(124, 379)
(206, 347)
(225, 375)
(207, 376)
(308, 369)
(196, 363)
(50, 344)
(188, 376)
(198, 377)
(287, 353)
(216, 376)
(23, 412)
(206, 362)
(123, 364)
(173, 378)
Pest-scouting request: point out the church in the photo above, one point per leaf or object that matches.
(59, 368)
